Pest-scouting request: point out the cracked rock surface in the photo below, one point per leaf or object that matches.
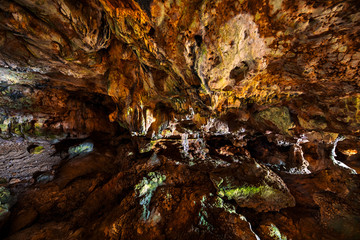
(162, 119)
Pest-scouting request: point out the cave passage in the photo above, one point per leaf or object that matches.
(191, 119)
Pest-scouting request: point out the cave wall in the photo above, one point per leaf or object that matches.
(210, 119)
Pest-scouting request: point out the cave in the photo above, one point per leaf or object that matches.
(186, 119)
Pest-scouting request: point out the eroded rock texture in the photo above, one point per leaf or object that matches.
(178, 119)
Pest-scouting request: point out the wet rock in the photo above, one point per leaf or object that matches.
(336, 181)
(81, 149)
(252, 185)
(6, 201)
(276, 118)
(146, 189)
(338, 215)
(271, 231)
(23, 219)
(44, 177)
(82, 166)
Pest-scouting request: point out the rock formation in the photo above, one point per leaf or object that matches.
(179, 119)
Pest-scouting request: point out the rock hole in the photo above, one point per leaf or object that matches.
(227, 88)
(31, 148)
(239, 72)
(151, 32)
(198, 40)
(216, 61)
(246, 34)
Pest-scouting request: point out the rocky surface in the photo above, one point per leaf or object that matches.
(211, 119)
(115, 192)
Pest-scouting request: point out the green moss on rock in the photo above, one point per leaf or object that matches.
(146, 188)
(5, 199)
(245, 191)
(261, 189)
(275, 233)
(38, 150)
(3, 127)
(277, 116)
(319, 123)
(219, 203)
(81, 148)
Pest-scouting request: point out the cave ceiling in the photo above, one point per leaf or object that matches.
(157, 60)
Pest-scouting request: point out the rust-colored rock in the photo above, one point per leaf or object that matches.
(217, 119)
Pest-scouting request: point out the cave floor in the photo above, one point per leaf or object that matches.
(210, 191)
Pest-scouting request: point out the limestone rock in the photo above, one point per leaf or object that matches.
(254, 186)
(178, 98)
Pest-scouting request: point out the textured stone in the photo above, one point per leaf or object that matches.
(254, 186)
(179, 98)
